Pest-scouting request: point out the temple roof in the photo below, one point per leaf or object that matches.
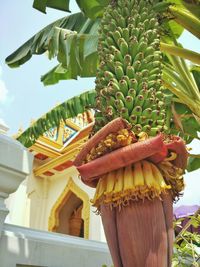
(55, 150)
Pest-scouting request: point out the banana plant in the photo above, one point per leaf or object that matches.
(133, 158)
(78, 33)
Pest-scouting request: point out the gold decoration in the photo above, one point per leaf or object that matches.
(69, 153)
(61, 132)
(74, 188)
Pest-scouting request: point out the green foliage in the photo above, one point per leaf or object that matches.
(184, 124)
(191, 126)
(173, 27)
(92, 8)
(193, 164)
(186, 244)
(55, 75)
(178, 50)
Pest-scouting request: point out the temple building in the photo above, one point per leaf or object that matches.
(53, 198)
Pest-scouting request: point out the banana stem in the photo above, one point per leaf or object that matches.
(184, 65)
(191, 85)
(186, 19)
(175, 78)
(190, 75)
(185, 99)
(180, 52)
(182, 60)
(193, 6)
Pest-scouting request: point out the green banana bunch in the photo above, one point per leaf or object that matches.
(128, 81)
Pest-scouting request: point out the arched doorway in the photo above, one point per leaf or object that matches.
(70, 214)
(70, 220)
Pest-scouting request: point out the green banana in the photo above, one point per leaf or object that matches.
(123, 46)
(119, 104)
(119, 95)
(134, 84)
(130, 72)
(124, 113)
(137, 128)
(137, 111)
(129, 103)
(132, 92)
(125, 34)
(133, 119)
(123, 87)
(128, 80)
(119, 72)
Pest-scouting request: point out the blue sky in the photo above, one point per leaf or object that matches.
(23, 97)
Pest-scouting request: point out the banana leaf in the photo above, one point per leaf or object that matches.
(41, 5)
(68, 109)
(178, 50)
(191, 126)
(78, 49)
(44, 39)
(59, 72)
(50, 39)
(91, 8)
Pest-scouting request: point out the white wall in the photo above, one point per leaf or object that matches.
(20, 245)
(19, 206)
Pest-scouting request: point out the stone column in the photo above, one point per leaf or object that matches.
(15, 165)
(3, 210)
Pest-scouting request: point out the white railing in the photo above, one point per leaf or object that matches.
(20, 246)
